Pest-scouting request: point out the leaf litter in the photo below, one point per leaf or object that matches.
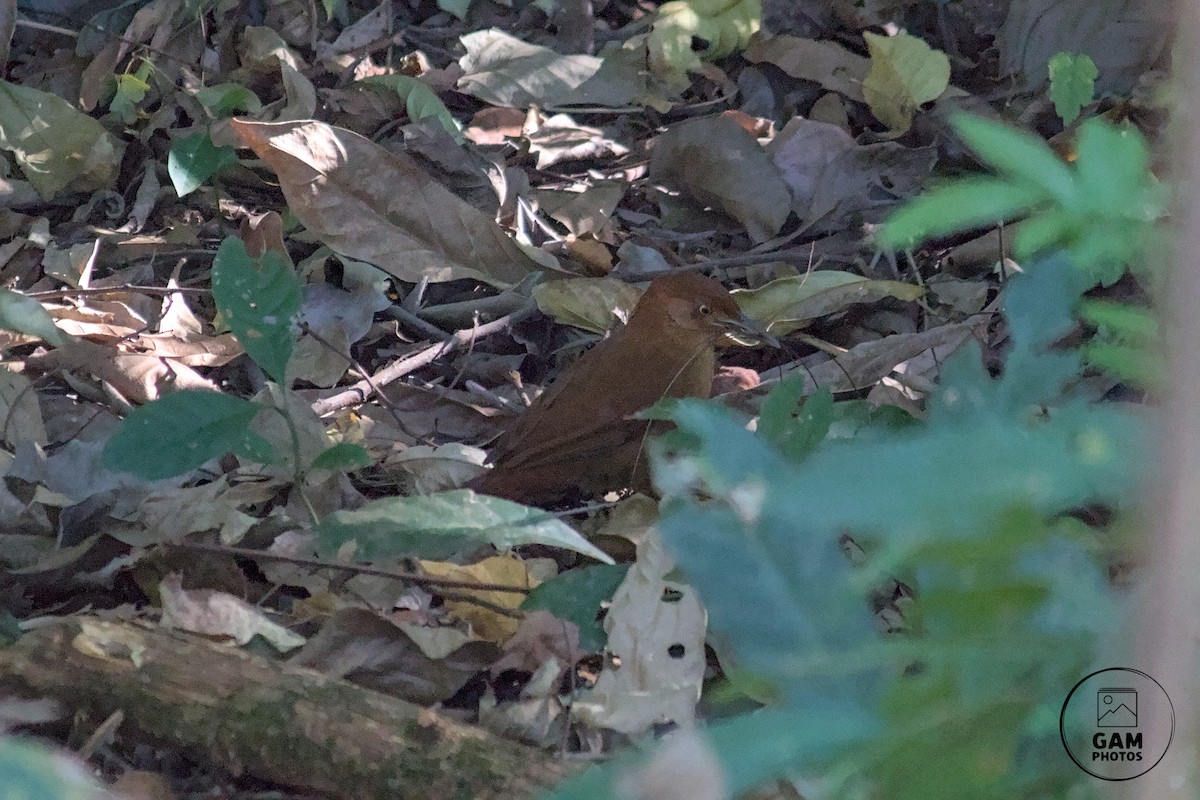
(473, 194)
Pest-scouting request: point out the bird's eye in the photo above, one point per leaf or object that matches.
(705, 310)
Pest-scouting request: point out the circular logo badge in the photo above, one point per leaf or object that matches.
(1117, 723)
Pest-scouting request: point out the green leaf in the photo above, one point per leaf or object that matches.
(1048, 230)
(953, 207)
(194, 160)
(795, 431)
(749, 748)
(905, 72)
(957, 507)
(438, 525)
(181, 431)
(982, 439)
(131, 90)
(258, 299)
(26, 315)
(1072, 83)
(1019, 156)
(576, 596)
(1039, 308)
(1113, 164)
(29, 771)
(1126, 344)
(457, 8)
(228, 99)
(1130, 323)
(1131, 364)
(343, 456)
(419, 100)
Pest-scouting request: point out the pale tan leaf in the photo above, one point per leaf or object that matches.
(437, 469)
(219, 614)
(650, 685)
(869, 362)
(195, 350)
(171, 514)
(824, 62)
(55, 144)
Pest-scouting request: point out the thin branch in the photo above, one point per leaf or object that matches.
(364, 389)
(361, 569)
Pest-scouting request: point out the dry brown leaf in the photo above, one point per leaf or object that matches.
(540, 637)
(869, 362)
(824, 62)
(381, 207)
(720, 165)
(139, 379)
(20, 414)
(264, 232)
(195, 350)
(171, 514)
(372, 651)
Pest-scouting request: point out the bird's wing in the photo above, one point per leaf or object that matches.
(543, 426)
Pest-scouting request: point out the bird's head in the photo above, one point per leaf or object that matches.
(700, 307)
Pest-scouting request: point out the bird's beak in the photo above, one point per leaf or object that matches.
(747, 332)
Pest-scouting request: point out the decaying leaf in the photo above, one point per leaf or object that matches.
(786, 304)
(593, 304)
(659, 647)
(219, 614)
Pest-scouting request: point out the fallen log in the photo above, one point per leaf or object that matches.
(266, 719)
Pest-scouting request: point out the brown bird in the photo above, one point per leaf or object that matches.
(577, 438)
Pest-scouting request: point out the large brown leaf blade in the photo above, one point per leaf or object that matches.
(381, 207)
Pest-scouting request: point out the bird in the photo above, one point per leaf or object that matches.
(578, 438)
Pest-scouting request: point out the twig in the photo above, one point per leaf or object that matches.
(406, 317)
(59, 294)
(505, 303)
(802, 254)
(362, 569)
(359, 392)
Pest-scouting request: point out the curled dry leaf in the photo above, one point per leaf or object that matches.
(219, 614)
(869, 362)
(381, 207)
